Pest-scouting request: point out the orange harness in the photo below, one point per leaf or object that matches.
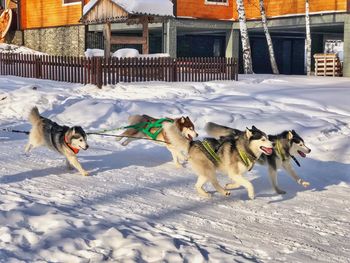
(75, 150)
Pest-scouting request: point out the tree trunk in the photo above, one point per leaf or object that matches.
(308, 38)
(268, 38)
(247, 57)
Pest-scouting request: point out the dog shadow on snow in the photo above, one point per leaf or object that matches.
(320, 175)
(136, 156)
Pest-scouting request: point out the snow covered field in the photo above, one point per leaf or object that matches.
(137, 207)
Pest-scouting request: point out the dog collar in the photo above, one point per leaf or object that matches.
(74, 150)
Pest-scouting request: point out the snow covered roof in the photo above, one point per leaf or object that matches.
(149, 7)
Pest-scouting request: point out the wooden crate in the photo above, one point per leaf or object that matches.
(327, 65)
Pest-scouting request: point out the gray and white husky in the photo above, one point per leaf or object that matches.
(66, 141)
(286, 145)
(235, 156)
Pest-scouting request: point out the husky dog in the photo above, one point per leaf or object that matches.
(286, 145)
(235, 155)
(184, 125)
(67, 141)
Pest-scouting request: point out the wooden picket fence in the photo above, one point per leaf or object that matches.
(101, 71)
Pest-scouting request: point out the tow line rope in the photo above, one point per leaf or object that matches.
(93, 133)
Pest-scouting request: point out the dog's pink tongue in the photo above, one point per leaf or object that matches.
(267, 150)
(302, 154)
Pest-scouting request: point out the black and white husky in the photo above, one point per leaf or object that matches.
(66, 141)
(287, 145)
(233, 155)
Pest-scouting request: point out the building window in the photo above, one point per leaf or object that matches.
(216, 2)
(71, 2)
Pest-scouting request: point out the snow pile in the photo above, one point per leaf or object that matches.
(94, 52)
(155, 55)
(137, 207)
(126, 53)
(151, 7)
(13, 49)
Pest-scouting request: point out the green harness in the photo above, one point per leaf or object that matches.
(215, 158)
(247, 159)
(145, 127)
(280, 151)
(211, 153)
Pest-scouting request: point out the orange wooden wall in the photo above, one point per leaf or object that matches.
(48, 13)
(198, 8)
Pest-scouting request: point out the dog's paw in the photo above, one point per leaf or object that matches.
(305, 184)
(280, 192)
(85, 173)
(251, 196)
(178, 165)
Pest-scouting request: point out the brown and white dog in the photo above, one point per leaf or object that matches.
(184, 125)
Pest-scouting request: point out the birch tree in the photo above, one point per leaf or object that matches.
(247, 57)
(308, 38)
(268, 38)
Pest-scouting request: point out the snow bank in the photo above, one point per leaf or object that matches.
(137, 207)
(13, 49)
(126, 53)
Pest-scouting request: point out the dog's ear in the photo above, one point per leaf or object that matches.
(69, 134)
(254, 128)
(290, 135)
(182, 120)
(248, 133)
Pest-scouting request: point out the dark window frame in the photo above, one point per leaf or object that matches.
(216, 2)
(71, 2)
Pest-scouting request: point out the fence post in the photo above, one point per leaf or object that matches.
(174, 64)
(99, 72)
(37, 67)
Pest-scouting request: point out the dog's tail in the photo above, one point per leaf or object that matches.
(175, 138)
(34, 116)
(217, 131)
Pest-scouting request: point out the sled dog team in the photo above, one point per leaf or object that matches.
(231, 151)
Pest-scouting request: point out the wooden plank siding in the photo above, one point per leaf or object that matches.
(105, 9)
(274, 8)
(49, 13)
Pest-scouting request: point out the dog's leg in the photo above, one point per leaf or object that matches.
(199, 186)
(73, 160)
(239, 179)
(69, 166)
(273, 178)
(129, 133)
(218, 187)
(28, 148)
(174, 154)
(289, 169)
(231, 186)
(128, 140)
